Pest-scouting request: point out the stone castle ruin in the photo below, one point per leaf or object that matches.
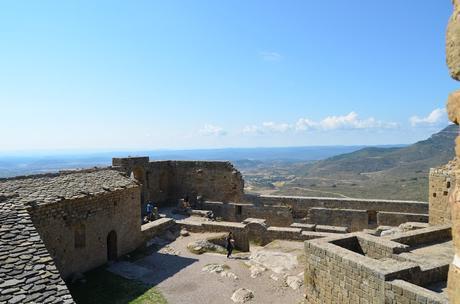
(54, 226)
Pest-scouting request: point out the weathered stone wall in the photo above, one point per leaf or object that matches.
(355, 220)
(442, 181)
(334, 275)
(165, 182)
(399, 291)
(432, 234)
(155, 228)
(237, 212)
(398, 218)
(282, 211)
(360, 268)
(75, 231)
(301, 205)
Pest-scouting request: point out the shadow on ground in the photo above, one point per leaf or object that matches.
(129, 282)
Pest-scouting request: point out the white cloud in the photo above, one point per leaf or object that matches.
(270, 56)
(267, 127)
(352, 121)
(436, 116)
(212, 130)
(274, 127)
(343, 122)
(349, 121)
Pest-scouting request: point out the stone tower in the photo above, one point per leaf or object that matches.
(453, 109)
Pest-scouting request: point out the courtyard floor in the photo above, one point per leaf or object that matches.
(178, 274)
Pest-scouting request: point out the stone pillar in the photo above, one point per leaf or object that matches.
(453, 109)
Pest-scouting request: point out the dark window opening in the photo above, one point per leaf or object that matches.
(112, 253)
(448, 185)
(434, 194)
(371, 217)
(239, 210)
(445, 193)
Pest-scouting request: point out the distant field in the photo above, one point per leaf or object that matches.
(290, 179)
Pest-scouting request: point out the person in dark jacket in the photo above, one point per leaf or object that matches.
(230, 244)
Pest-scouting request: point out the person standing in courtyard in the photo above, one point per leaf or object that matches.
(230, 244)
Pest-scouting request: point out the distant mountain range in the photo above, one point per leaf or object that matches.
(22, 164)
(421, 156)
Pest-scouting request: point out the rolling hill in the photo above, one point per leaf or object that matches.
(371, 172)
(421, 156)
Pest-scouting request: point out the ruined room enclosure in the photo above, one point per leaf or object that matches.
(395, 269)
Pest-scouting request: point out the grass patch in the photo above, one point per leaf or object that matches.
(104, 287)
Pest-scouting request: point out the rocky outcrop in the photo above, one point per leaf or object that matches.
(453, 109)
(453, 42)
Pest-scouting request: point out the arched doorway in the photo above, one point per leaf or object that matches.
(112, 246)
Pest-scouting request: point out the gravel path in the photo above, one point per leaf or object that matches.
(178, 274)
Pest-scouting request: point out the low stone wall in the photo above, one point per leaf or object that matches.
(255, 230)
(237, 212)
(284, 233)
(301, 205)
(152, 229)
(355, 278)
(361, 268)
(239, 231)
(423, 235)
(355, 220)
(398, 218)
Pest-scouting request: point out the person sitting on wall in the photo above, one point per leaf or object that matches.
(187, 202)
(149, 210)
(183, 208)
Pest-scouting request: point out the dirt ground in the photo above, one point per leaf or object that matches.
(178, 274)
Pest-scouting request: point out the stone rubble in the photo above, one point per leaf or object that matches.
(294, 282)
(242, 295)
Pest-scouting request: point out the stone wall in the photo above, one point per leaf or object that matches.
(354, 219)
(421, 236)
(398, 218)
(237, 212)
(301, 205)
(442, 181)
(165, 182)
(155, 228)
(75, 231)
(400, 291)
(361, 268)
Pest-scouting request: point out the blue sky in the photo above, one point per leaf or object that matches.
(207, 74)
